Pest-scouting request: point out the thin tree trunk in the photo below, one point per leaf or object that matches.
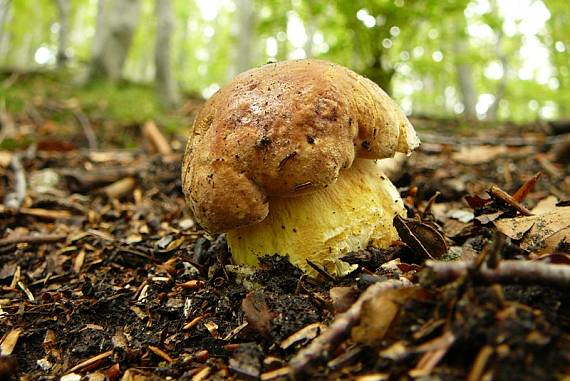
(63, 8)
(166, 83)
(502, 86)
(464, 70)
(245, 26)
(116, 23)
(4, 13)
(310, 29)
(182, 55)
(5, 9)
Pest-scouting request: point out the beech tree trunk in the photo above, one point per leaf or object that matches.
(115, 26)
(245, 25)
(493, 111)
(464, 70)
(63, 8)
(310, 30)
(5, 9)
(165, 82)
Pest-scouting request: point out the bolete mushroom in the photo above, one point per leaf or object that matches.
(283, 159)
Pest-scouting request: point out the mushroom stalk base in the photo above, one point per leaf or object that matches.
(323, 226)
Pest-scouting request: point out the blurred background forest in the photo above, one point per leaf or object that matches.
(478, 59)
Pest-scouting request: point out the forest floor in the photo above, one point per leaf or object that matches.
(103, 272)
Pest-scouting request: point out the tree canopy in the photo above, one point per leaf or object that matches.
(489, 58)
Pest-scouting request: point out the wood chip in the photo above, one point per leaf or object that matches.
(9, 342)
(91, 361)
(275, 374)
(160, 353)
(194, 322)
(305, 334)
(156, 138)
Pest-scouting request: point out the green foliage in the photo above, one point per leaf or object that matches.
(407, 46)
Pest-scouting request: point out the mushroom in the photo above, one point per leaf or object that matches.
(284, 159)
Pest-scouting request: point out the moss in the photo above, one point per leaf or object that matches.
(125, 103)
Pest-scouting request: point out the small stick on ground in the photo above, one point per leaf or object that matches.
(524, 190)
(33, 239)
(14, 200)
(160, 353)
(156, 138)
(87, 363)
(321, 271)
(87, 129)
(323, 346)
(507, 272)
(500, 194)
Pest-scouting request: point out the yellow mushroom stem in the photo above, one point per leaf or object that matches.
(322, 226)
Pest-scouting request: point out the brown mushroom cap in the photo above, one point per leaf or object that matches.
(282, 130)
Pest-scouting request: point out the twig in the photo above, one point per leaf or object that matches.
(508, 199)
(469, 141)
(507, 272)
(323, 346)
(321, 271)
(32, 239)
(430, 203)
(87, 129)
(524, 190)
(156, 138)
(481, 360)
(14, 200)
(89, 362)
(160, 353)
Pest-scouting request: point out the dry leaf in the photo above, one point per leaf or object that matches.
(421, 237)
(257, 313)
(304, 335)
(540, 233)
(478, 154)
(378, 315)
(545, 205)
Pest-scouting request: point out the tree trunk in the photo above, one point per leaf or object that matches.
(5, 9)
(502, 86)
(310, 29)
(165, 82)
(115, 26)
(63, 8)
(379, 74)
(464, 69)
(245, 25)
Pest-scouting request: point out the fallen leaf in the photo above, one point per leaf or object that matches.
(478, 154)
(257, 313)
(421, 237)
(378, 314)
(545, 205)
(342, 298)
(540, 233)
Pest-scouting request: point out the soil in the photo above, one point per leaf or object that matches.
(130, 283)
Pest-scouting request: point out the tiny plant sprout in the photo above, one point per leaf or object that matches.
(284, 160)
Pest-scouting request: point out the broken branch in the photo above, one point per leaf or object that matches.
(323, 346)
(31, 239)
(507, 272)
(500, 194)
